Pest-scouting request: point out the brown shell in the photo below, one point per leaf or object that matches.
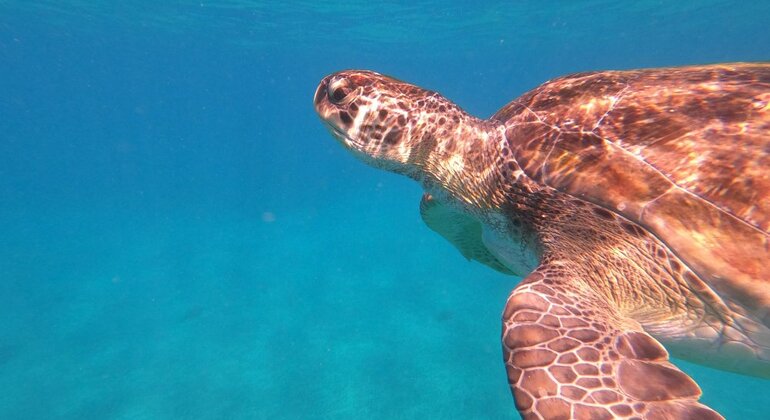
(684, 152)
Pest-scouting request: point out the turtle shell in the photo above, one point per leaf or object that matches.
(683, 152)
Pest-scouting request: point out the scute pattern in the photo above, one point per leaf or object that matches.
(705, 128)
(559, 369)
(683, 152)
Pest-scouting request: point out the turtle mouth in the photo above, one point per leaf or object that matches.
(342, 136)
(336, 132)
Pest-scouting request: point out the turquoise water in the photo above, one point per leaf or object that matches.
(181, 238)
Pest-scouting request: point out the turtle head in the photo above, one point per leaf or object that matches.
(403, 128)
(374, 116)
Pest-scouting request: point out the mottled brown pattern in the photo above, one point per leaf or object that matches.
(404, 137)
(684, 152)
(640, 196)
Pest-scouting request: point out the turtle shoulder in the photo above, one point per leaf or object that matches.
(682, 152)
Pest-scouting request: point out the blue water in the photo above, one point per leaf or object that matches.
(181, 238)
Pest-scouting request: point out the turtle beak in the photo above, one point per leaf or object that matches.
(320, 93)
(325, 109)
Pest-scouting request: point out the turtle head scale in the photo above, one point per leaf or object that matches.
(385, 122)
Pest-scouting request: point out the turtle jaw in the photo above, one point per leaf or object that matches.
(332, 122)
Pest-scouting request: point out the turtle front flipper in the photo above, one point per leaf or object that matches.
(570, 354)
(461, 230)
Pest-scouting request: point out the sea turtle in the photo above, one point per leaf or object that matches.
(636, 204)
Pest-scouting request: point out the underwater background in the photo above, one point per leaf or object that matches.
(181, 238)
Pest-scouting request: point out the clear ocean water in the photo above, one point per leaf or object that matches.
(181, 238)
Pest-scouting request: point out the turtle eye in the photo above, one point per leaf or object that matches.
(337, 92)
